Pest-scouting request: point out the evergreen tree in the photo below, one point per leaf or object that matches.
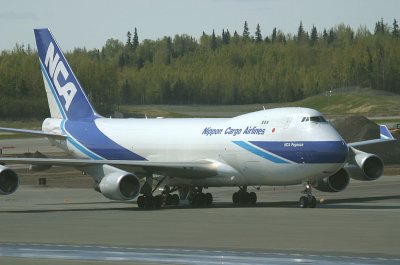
(301, 34)
(235, 38)
(226, 37)
(135, 41)
(213, 43)
(378, 28)
(246, 33)
(314, 36)
(258, 36)
(331, 36)
(189, 71)
(273, 36)
(128, 43)
(281, 37)
(395, 31)
(325, 35)
(381, 27)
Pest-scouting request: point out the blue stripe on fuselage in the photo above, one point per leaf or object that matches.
(92, 142)
(79, 146)
(260, 153)
(312, 152)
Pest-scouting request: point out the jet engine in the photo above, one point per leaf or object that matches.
(334, 183)
(9, 181)
(119, 185)
(364, 166)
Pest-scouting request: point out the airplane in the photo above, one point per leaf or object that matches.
(133, 157)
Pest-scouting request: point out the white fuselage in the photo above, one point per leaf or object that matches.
(269, 147)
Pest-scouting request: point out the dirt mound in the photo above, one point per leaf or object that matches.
(356, 128)
(396, 134)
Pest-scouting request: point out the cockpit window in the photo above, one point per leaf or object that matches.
(318, 119)
(314, 119)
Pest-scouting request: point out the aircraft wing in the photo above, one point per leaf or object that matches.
(381, 147)
(33, 132)
(196, 169)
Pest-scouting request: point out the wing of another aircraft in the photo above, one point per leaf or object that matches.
(381, 147)
(33, 132)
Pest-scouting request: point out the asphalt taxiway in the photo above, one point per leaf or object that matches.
(58, 225)
(362, 222)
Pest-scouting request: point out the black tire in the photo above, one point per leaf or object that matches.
(202, 199)
(252, 198)
(303, 202)
(175, 199)
(244, 198)
(168, 199)
(157, 201)
(195, 200)
(235, 198)
(148, 202)
(140, 202)
(312, 203)
(209, 199)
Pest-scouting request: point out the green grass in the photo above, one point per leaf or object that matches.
(357, 101)
(360, 101)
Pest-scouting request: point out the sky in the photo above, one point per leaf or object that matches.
(89, 23)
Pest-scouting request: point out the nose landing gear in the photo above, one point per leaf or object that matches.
(308, 200)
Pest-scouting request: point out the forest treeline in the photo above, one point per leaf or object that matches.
(225, 68)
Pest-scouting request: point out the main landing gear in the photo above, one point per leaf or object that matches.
(308, 201)
(148, 201)
(200, 199)
(243, 197)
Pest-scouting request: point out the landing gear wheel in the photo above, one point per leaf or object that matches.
(252, 198)
(208, 199)
(140, 202)
(148, 202)
(303, 202)
(312, 203)
(200, 199)
(308, 201)
(157, 201)
(235, 198)
(175, 199)
(243, 197)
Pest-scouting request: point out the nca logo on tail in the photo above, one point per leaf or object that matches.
(57, 67)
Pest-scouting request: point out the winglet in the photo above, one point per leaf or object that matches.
(385, 133)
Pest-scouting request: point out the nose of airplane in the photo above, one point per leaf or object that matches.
(341, 150)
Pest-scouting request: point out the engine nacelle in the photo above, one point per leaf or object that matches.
(9, 181)
(364, 166)
(335, 183)
(120, 185)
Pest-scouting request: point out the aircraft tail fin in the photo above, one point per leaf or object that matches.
(66, 98)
